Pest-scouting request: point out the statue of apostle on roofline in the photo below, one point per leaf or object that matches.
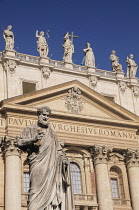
(50, 181)
(68, 49)
(42, 46)
(8, 36)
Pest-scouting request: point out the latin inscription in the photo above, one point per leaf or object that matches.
(93, 131)
(73, 128)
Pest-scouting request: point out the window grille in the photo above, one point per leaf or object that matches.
(114, 185)
(26, 182)
(76, 178)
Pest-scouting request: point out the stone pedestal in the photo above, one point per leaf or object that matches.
(44, 60)
(91, 70)
(134, 80)
(120, 74)
(9, 53)
(132, 161)
(68, 65)
(102, 178)
(12, 174)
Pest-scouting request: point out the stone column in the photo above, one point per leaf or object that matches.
(85, 208)
(12, 174)
(100, 157)
(132, 161)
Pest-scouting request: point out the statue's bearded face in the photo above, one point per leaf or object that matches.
(43, 118)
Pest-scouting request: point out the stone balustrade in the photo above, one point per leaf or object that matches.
(60, 64)
(28, 58)
(85, 199)
(121, 202)
(24, 199)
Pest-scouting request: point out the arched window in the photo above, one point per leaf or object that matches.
(117, 185)
(76, 178)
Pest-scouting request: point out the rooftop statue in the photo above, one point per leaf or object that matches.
(9, 38)
(89, 59)
(116, 67)
(68, 49)
(49, 167)
(42, 46)
(131, 67)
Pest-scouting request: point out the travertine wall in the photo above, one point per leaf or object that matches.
(46, 73)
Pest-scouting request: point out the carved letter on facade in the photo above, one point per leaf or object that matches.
(74, 101)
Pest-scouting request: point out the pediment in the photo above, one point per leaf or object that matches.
(74, 98)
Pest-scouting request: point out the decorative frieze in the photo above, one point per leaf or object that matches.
(45, 72)
(132, 157)
(9, 146)
(100, 154)
(10, 65)
(74, 101)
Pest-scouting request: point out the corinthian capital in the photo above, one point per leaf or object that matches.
(9, 146)
(132, 157)
(100, 154)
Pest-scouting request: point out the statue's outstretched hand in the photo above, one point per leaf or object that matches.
(38, 139)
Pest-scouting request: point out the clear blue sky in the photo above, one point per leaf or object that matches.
(105, 24)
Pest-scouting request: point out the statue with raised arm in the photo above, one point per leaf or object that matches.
(9, 38)
(68, 49)
(50, 182)
(89, 59)
(131, 67)
(42, 46)
(116, 67)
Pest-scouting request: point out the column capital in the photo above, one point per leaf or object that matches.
(9, 146)
(100, 154)
(132, 158)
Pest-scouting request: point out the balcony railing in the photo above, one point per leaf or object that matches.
(121, 202)
(85, 200)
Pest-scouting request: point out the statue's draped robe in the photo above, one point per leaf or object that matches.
(131, 68)
(50, 177)
(89, 58)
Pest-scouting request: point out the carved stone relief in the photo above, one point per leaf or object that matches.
(100, 154)
(122, 86)
(115, 157)
(132, 157)
(136, 91)
(93, 81)
(9, 146)
(46, 72)
(10, 65)
(74, 101)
